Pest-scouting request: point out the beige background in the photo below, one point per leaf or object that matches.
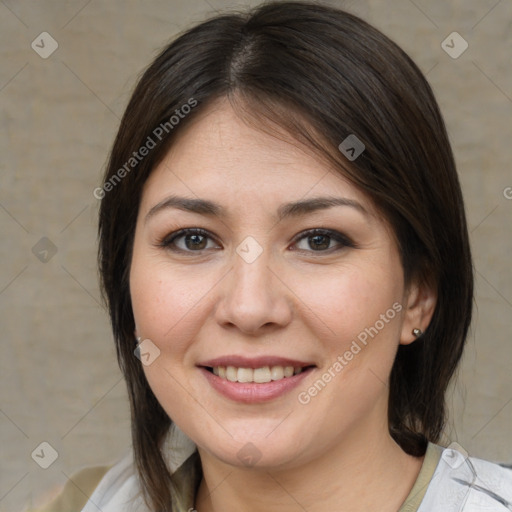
(60, 381)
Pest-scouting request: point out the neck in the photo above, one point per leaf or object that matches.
(360, 473)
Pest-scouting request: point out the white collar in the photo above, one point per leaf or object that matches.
(468, 484)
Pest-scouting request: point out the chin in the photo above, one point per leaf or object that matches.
(257, 446)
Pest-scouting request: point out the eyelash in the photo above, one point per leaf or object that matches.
(342, 239)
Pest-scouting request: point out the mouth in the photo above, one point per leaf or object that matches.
(254, 380)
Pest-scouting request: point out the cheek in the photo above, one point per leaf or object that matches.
(159, 296)
(356, 318)
(345, 303)
(166, 310)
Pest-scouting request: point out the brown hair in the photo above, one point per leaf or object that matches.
(322, 74)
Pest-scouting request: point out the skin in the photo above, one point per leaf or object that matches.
(296, 300)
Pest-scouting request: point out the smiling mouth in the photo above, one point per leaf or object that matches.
(261, 375)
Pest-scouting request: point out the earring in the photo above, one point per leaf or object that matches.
(137, 340)
(417, 332)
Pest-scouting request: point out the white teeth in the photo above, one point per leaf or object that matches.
(262, 375)
(231, 373)
(277, 372)
(258, 375)
(245, 375)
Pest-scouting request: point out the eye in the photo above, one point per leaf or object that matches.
(314, 240)
(188, 240)
(322, 240)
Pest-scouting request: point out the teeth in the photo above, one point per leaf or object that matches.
(288, 371)
(245, 375)
(277, 372)
(231, 373)
(258, 375)
(262, 375)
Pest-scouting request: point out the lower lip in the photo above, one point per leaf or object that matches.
(251, 392)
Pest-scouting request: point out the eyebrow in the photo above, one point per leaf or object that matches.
(287, 210)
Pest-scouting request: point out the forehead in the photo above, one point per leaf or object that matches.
(222, 154)
(220, 137)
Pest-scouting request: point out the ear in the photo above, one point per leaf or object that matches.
(421, 301)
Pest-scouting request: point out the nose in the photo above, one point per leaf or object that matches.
(253, 298)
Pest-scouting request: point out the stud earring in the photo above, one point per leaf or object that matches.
(137, 340)
(417, 332)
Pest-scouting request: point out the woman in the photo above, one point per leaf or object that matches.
(285, 257)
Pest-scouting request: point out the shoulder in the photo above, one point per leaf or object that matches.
(77, 490)
(468, 484)
(116, 488)
(94, 488)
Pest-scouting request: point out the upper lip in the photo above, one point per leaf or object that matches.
(254, 362)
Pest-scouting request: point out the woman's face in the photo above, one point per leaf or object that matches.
(275, 340)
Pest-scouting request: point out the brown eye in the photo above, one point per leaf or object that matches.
(194, 241)
(321, 240)
(188, 240)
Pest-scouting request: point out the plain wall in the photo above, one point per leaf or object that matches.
(60, 380)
